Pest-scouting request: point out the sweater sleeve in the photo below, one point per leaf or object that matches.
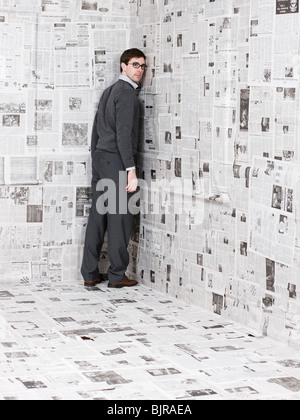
(95, 136)
(125, 111)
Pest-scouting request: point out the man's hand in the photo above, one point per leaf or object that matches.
(132, 182)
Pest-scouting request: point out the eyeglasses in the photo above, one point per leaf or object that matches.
(138, 65)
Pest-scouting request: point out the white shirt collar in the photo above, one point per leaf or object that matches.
(126, 79)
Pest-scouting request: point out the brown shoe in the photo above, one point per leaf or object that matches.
(125, 283)
(93, 283)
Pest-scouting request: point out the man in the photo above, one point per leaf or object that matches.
(114, 148)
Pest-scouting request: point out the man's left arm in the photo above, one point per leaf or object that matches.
(95, 136)
(132, 181)
(125, 114)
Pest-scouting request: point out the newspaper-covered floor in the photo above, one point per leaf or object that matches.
(68, 342)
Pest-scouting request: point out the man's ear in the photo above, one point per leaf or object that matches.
(123, 66)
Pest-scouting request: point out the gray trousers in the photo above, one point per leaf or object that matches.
(118, 224)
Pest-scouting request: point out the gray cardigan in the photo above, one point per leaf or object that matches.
(116, 125)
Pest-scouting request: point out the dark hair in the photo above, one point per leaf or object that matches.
(129, 54)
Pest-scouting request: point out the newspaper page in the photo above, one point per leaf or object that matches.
(72, 55)
(272, 209)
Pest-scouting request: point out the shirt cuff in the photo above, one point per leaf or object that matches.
(130, 169)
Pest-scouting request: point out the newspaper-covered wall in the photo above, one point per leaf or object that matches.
(56, 58)
(220, 227)
(219, 157)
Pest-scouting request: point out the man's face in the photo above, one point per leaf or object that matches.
(130, 70)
